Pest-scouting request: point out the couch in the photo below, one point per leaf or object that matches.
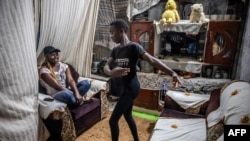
(203, 121)
(64, 123)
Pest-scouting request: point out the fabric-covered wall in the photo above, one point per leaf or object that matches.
(69, 26)
(109, 11)
(243, 69)
(117, 9)
(19, 76)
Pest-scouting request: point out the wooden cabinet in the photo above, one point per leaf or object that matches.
(220, 49)
(142, 32)
(221, 42)
(147, 99)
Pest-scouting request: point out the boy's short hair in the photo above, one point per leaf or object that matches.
(120, 24)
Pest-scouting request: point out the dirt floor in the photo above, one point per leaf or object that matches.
(101, 130)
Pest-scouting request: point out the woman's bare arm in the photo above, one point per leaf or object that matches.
(51, 81)
(72, 85)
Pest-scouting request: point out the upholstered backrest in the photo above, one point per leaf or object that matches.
(74, 73)
(233, 104)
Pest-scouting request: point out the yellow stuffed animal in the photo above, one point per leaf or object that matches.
(170, 15)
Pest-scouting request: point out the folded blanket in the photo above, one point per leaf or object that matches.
(54, 107)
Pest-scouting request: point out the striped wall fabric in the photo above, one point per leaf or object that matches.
(18, 72)
(109, 10)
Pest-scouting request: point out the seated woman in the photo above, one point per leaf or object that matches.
(56, 77)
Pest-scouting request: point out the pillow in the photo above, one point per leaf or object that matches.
(96, 86)
(84, 86)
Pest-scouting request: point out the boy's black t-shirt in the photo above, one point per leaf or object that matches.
(125, 57)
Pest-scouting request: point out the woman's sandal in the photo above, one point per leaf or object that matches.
(86, 101)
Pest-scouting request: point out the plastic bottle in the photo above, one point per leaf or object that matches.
(163, 91)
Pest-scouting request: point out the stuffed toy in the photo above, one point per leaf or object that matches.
(170, 15)
(197, 15)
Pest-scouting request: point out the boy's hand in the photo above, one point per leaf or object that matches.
(119, 72)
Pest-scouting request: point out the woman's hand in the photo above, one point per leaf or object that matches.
(176, 80)
(119, 72)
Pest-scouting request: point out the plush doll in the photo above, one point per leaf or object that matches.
(197, 15)
(170, 15)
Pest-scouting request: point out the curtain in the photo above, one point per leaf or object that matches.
(19, 76)
(70, 26)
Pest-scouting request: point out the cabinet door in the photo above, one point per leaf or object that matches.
(147, 99)
(142, 32)
(221, 42)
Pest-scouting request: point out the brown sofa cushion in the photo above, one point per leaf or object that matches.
(214, 101)
(81, 110)
(178, 114)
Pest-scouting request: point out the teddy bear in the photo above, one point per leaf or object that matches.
(170, 15)
(197, 15)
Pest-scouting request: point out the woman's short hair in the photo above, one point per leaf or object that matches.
(120, 24)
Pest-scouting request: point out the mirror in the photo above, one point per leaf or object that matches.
(218, 44)
(144, 40)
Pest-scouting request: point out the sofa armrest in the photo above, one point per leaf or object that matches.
(104, 103)
(96, 86)
(98, 89)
